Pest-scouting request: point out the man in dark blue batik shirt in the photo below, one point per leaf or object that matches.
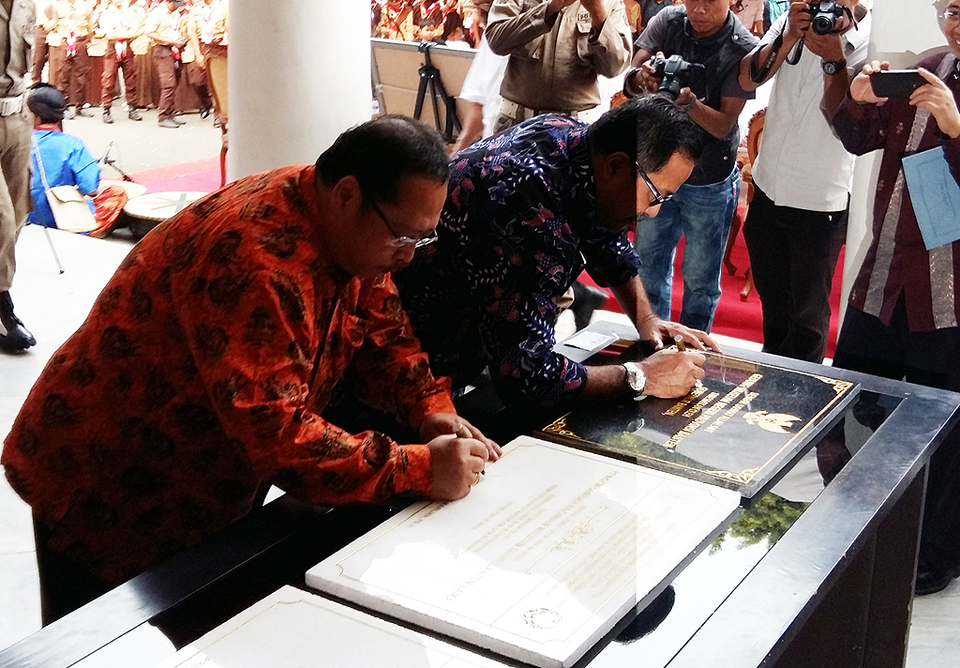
(526, 212)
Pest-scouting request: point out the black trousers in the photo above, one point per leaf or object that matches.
(793, 255)
(925, 358)
(65, 585)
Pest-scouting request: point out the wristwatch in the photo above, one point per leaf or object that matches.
(636, 379)
(833, 66)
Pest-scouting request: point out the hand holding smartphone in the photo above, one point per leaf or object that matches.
(896, 83)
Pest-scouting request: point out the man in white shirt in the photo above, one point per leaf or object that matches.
(797, 219)
(480, 94)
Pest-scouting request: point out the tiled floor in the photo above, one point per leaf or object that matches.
(53, 305)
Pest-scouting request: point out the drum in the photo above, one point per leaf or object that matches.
(145, 211)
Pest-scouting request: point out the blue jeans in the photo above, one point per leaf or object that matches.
(702, 214)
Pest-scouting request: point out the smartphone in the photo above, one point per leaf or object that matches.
(896, 83)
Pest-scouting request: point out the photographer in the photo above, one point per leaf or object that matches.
(556, 49)
(901, 319)
(702, 32)
(797, 219)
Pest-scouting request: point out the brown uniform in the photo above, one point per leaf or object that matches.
(163, 27)
(211, 33)
(68, 31)
(555, 61)
(17, 25)
(120, 27)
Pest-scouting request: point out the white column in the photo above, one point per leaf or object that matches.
(299, 76)
(902, 35)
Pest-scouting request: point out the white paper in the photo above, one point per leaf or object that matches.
(587, 340)
(539, 561)
(293, 628)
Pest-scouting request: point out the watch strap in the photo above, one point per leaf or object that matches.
(833, 66)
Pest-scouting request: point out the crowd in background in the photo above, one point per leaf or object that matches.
(80, 42)
(463, 21)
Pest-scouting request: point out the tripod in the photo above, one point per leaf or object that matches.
(430, 77)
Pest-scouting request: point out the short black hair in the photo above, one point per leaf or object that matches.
(652, 127)
(46, 102)
(379, 153)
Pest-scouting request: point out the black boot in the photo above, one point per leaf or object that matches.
(14, 337)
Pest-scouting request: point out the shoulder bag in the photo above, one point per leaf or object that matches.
(68, 205)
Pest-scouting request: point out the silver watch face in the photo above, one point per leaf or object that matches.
(636, 379)
(831, 66)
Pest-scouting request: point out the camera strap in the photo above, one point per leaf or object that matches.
(759, 73)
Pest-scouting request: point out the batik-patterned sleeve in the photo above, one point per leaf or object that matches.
(269, 357)
(518, 283)
(611, 258)
(392, 370)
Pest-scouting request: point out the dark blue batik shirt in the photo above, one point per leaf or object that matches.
(515, 232)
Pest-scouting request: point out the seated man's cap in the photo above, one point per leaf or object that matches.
(47, 102)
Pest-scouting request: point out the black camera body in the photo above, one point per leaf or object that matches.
(674, 73)
(825, 14)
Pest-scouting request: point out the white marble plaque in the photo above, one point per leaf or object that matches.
(293, 628)
(540, 560)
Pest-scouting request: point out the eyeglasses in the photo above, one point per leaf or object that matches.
(657, 197)
(951, 17)
(400, 240)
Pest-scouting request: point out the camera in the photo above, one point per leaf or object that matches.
(674, 73)
(825, 14)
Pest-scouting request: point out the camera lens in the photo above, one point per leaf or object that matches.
(823, 24)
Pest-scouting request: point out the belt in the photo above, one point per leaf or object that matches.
(11, 105)
(520, 112)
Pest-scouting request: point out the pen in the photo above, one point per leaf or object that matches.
(681, 346)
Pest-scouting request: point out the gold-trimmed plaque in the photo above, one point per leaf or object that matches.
(736, 429)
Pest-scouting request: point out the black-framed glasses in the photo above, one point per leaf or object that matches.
(403, 240)
(657, 197)
(951, 17)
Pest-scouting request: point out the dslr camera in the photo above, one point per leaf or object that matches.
(825, 14)
(674, 73)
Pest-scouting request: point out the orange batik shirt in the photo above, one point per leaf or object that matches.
(201, 373)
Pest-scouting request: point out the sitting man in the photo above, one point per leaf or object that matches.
(701, 32)
(205, 364)
(58, 159)
(527, 211)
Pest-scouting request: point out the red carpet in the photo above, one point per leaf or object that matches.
(736, 318)
(202, 176)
